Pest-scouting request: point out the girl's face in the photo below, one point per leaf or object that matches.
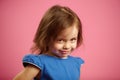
(65, 43)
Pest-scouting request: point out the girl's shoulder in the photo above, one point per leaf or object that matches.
(33, 59)
(77, 59)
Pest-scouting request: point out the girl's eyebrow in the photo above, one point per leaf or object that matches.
(63, 38)
(73, 37)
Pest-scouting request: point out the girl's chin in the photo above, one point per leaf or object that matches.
(61, 55)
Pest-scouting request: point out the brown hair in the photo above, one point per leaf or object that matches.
(56, 19)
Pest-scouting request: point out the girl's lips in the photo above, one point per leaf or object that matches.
(65, 52)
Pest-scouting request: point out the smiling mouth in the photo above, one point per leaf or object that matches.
(64, 52)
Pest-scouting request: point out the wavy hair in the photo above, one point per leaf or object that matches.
(56, 19)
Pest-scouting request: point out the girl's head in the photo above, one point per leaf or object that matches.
(54, 22)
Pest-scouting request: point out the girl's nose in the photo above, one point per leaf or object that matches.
(66, 45)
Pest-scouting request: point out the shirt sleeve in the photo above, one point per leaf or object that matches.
(80, 61)
(34, 60)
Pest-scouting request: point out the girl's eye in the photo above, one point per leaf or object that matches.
(60, 40)
(73, 40)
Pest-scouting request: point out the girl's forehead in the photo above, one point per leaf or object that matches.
(69, 32)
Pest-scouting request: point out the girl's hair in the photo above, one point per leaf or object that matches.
(56, 19)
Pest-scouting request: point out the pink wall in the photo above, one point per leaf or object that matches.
(101, 30)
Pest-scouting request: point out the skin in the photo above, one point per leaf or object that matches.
(65, 43)
(28, 73)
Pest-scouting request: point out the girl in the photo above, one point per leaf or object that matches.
(58, 34)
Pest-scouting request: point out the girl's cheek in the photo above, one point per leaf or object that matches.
(57, 46)
(74, 46)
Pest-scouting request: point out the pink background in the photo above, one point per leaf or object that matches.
(19, 20)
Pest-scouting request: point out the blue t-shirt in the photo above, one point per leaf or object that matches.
(53, 68)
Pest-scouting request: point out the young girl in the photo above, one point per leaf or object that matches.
(58, 34)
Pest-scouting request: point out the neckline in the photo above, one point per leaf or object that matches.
(56, 57)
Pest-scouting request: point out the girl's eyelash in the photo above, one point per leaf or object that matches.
(60, 40)
(73, 39)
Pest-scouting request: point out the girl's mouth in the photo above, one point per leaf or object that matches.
(64, 52)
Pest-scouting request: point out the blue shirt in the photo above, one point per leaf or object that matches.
(53, 68)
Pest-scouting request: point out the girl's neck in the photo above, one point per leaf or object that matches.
(54, 55)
